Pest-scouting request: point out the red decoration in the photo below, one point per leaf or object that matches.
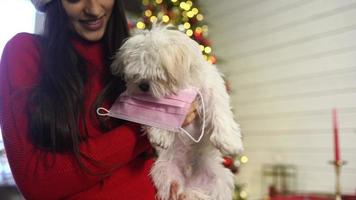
(205, 42)
(213, 61)
(336, 136)
(130, 24)
(194, 20)
(228, 162)
(198, 34)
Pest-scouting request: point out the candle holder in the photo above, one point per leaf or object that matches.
(338, 164)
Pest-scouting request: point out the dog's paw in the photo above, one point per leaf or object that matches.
(160, 138)
(227, 146)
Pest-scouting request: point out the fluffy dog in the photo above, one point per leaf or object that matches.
(163, 61)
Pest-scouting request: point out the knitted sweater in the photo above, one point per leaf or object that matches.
(40, 175)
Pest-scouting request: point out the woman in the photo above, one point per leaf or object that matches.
(50, 86)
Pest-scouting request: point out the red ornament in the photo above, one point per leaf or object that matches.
(213, 59)
(197, 33)
(193, 20)
(170, 14)
(206, 42)
(198, 36)
(131, 24)
(228, 162)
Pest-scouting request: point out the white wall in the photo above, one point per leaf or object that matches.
(290, 62)
(39, 22)
(15, 16)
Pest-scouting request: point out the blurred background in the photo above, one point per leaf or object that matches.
(290, 68)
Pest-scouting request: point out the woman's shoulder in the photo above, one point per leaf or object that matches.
(20, 58)
(22, 42)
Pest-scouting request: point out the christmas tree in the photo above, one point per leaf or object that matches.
(183, 14)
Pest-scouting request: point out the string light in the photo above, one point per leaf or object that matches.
(140, 25)
(173, 1)
(182, 5)
(244, 159)
(165, 18)
(189, 32)
(159, 1)
(202, 47)
(195, 11)
(184, 14)
(186, 25)
(198, 30)
(190, 14)
(205, 57)
(207, 50)
(160, 15)
(148, 13)
(205, 28)
(200, 17)
(185, 5)
(153, 19)
(243, 194)
(145, 2)
(190, 3)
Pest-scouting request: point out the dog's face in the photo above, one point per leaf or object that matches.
(158, 62)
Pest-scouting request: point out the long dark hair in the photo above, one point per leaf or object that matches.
(56, 103)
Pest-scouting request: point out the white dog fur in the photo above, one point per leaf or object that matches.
(168, 61)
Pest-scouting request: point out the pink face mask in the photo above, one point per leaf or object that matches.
(166, 113)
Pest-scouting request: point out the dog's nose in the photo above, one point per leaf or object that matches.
(144, 86)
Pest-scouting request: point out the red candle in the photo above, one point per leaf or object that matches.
(336, 136)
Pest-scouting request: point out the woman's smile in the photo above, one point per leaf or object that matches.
(92, 24)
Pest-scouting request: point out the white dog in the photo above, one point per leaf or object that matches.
(165, 61)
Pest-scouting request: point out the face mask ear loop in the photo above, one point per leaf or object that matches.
(203, 125)
(102, 111)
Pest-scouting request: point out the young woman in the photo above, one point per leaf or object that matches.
(50, 85)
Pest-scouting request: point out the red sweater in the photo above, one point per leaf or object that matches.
(63, 179)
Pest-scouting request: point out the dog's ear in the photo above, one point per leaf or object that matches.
(128, 54)
(188, 53)
(117, 65)
(175, 59)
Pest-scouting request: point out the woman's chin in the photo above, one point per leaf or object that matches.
(92, 36)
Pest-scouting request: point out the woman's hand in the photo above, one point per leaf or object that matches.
(173, 193)
(192, 114)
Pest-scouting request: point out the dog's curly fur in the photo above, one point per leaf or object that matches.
(168, 60)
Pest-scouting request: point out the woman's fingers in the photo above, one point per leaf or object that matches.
(193, 107)
(173, 195)
(173, 191)
(189, 118)
(192, 114)
(181, 197)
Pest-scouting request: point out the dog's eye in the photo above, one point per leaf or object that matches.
(136, 77)
(132, 77)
